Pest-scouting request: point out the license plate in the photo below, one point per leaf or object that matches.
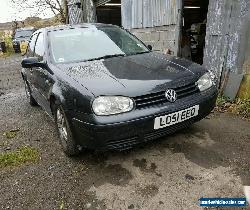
(177, 117)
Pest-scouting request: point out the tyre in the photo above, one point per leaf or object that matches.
(17, 48)
(17, 51)
(67, 142)
(32, 101)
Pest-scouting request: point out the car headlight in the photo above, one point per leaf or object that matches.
(110, 105)
(205, 82)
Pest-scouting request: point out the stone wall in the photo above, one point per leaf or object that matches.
(161, 38)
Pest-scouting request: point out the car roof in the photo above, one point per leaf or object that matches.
(82, 25)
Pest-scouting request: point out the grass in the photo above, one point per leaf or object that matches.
(238, 106)
(11, 134)
(18, 157)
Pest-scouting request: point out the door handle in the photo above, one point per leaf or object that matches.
(44, 72)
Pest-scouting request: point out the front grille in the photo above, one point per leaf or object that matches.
(123, 144)
(160, 98)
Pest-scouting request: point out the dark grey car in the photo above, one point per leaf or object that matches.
(106, 90)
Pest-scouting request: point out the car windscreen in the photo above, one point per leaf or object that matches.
(82, 44)
(23, 34)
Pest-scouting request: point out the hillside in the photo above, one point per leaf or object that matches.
(30, 21)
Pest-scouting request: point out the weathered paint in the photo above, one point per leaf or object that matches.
(126, 9)
(225, 32)
(149, 13)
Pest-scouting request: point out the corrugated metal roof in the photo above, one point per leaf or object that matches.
(148, 13)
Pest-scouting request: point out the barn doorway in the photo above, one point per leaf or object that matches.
(194, 29)
(109, 13)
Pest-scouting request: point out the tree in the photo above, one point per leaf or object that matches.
(58, 7)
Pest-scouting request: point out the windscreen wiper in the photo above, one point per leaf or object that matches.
(139, 53)
(106, 56)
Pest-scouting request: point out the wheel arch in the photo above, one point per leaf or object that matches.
(54, 101)
(23, 75)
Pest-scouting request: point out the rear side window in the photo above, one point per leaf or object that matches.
(30, 50)
(39, 47)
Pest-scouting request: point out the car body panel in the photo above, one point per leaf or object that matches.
(150, 72)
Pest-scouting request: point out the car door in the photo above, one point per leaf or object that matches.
(43, 77)
(30, 53)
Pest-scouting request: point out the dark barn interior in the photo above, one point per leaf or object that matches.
(195, 11)
(109, 13)
(194, 29)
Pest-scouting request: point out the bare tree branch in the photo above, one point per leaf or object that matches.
(40, 6)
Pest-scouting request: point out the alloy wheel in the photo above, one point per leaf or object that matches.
(62, 127)
(27, 88)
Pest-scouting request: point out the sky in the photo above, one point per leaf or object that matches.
(8, 13)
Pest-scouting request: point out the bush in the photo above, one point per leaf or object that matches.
(8, 43)
(238, 106)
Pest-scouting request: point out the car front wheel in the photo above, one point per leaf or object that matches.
(67, 142)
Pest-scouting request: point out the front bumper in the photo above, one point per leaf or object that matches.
(122, 133)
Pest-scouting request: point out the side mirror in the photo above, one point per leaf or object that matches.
(150, 47)
(32, 62)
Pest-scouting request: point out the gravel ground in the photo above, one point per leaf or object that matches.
(210, 159)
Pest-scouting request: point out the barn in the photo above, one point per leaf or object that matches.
(216, 32)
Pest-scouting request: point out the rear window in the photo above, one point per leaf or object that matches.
(23, 33)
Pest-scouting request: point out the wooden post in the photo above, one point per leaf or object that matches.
(66, 11)
(89, 11)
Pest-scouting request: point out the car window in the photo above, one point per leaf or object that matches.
(39, 47)
(125, 41)
(30, 49)
(81, 44)
(23, 34)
